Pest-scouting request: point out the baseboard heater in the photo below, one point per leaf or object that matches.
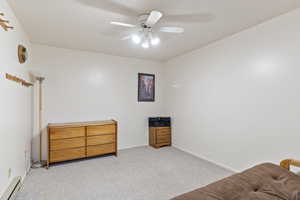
(12, 190)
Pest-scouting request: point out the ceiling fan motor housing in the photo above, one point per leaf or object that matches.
(142, 19)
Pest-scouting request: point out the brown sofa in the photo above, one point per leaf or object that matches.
(263, 182)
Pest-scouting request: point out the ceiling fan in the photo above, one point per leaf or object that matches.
(145, 32)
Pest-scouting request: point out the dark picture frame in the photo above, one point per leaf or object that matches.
(146, 87)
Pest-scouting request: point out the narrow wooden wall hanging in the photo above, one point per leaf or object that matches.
(4, 23)
(18, 80)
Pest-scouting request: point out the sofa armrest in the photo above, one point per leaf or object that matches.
(289, 162)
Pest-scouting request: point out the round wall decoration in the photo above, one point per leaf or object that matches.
(22, 54)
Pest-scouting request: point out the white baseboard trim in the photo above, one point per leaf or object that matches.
(24, 177)
(25, 174)
(206, 159)
(133, 146)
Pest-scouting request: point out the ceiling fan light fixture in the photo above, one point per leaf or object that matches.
(136, 39)
(146, 44)
(155, 41)
(145, 34)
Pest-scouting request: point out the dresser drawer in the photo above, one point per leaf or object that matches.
(101, 130)
(68, 154)
(163, 131)
(62, 133)
(67, 143)
(101, 139)
(163, 138)
(101, 149)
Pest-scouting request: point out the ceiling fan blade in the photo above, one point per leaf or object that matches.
(190, 18)
(172, 29)
(128, 37)
(153, 18)
(123, 24)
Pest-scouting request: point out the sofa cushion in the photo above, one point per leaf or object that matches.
(263, 182)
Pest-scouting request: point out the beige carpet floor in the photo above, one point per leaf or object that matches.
(141, 173)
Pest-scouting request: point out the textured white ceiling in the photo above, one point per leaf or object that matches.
(84, 24)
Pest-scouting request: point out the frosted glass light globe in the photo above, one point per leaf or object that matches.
(136, 39)
(155, 41)
(145, 45)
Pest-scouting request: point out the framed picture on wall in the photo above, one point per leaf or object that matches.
(146, 87)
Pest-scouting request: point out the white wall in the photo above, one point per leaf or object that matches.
(237, 101)
(15, 101)
(84, 86)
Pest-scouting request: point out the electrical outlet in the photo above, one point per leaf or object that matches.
(9, 173)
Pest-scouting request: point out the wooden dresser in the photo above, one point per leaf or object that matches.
(71, 141)
(160, 136)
